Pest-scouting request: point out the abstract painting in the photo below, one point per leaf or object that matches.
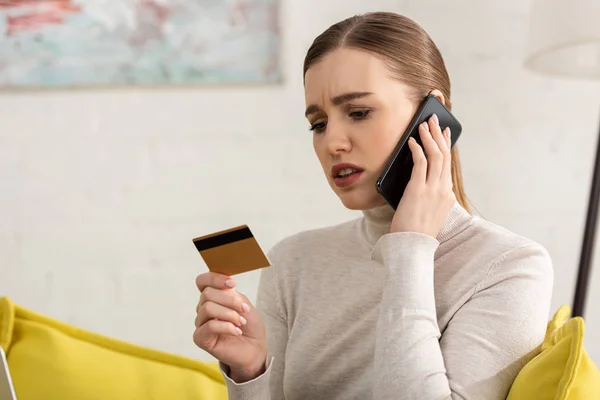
(83, 43)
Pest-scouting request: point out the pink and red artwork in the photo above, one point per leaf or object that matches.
(58, 43)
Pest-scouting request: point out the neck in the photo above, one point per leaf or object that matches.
(378, 220)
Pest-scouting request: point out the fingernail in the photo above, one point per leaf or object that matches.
(435, 119)
(243, 321)
(238, 331)
(245, 307)
(449, 133)
(424, 124)
(230, 283)
(412, 139)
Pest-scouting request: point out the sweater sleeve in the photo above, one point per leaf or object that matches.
(269, 385)
(486, 343)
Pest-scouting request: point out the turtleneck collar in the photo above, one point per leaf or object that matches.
(378, 220)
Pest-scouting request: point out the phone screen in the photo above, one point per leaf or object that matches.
(396, 175)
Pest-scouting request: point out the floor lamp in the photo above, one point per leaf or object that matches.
(564, 40)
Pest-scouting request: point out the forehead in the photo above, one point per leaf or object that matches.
(345, 70)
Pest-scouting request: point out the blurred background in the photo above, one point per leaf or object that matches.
(170, 120)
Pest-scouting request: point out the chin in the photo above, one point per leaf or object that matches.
(359, 200)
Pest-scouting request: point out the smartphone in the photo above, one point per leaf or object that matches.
(396, 175)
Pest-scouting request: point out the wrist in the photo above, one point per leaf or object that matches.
(399, 248)
(240, 375)
(412, 232)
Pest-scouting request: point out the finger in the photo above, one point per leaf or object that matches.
(447, 168)
(437, 134)
(419, 171)
(207, 332)
(216, 280)
(210, 310)
(227, 298)
(434, 155)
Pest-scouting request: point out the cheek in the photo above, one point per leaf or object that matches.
(319, 148)
(384, 136)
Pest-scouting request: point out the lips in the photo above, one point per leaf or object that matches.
(345, 174)
(344, 169)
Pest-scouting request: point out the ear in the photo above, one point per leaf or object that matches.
(439, 95)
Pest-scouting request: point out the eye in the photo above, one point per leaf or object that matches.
(318, 127)
(360, 114)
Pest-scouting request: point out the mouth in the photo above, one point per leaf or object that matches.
(345, 174)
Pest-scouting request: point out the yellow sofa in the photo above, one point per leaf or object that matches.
(51, 360)
(562, 370)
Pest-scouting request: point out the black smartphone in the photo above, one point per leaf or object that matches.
(396, 175)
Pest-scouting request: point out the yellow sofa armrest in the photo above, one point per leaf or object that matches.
(562, 370)
(51, 360)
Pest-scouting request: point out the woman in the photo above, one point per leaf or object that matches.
(425, 302)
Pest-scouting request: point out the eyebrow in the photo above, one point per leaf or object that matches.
(337, 100)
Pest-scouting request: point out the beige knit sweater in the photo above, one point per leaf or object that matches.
(354, 312)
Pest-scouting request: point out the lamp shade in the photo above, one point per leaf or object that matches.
(564, 38)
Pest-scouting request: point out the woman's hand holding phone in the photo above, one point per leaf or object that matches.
(428, 197)
(229, 328)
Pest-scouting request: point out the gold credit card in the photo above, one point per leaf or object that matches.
(232, 251)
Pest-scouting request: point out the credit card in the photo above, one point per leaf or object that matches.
(232, 251)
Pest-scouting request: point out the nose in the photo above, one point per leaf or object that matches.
(338, 141)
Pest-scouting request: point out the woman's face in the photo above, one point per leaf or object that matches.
(357, 112)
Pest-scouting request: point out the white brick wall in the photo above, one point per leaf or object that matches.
(102, 191)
